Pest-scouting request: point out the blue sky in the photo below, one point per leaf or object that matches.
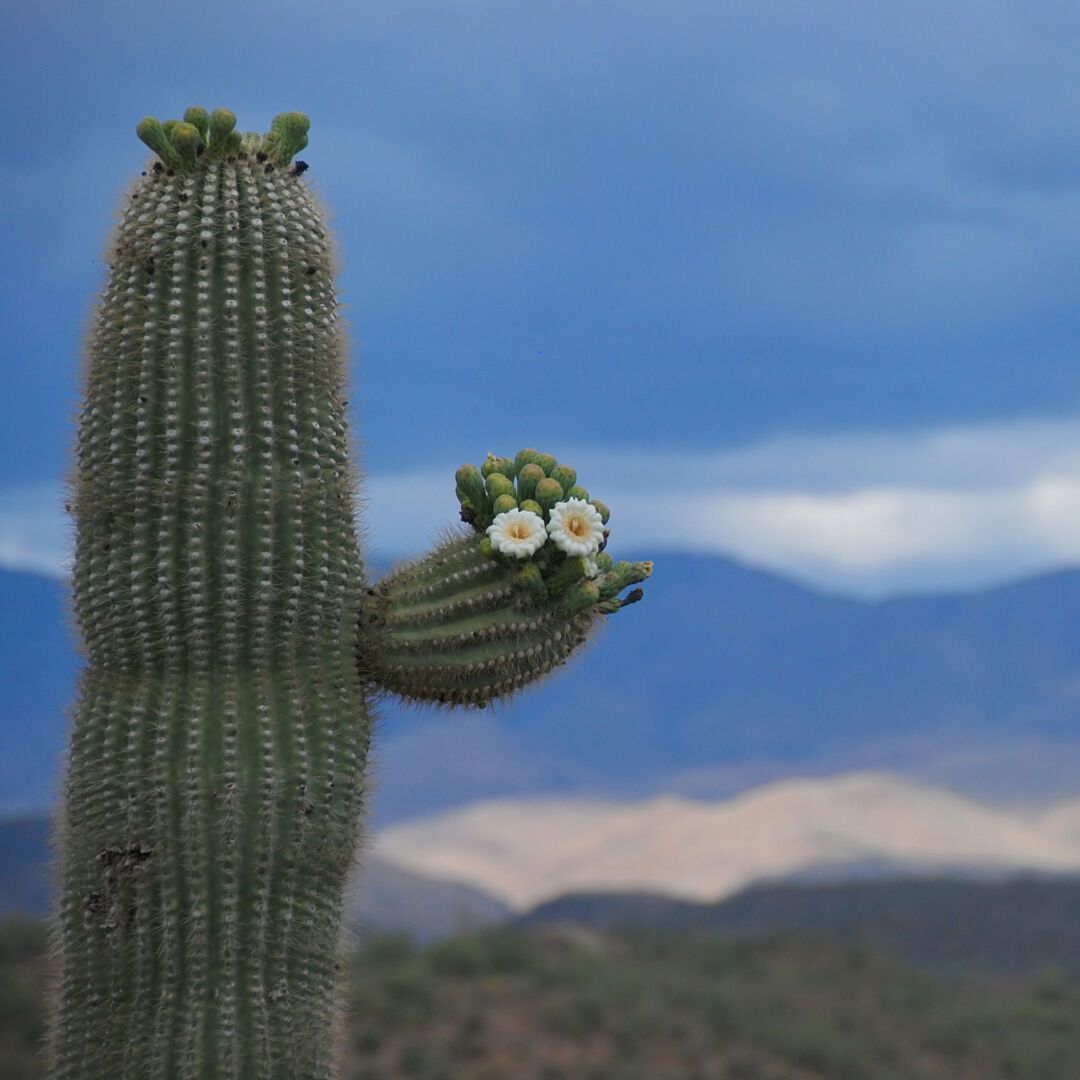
(798, 282)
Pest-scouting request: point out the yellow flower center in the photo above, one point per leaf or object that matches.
(576, 526)
(519, 530)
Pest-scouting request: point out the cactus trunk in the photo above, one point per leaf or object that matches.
(212, 804)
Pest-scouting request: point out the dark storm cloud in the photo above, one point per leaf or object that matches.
(661, 224)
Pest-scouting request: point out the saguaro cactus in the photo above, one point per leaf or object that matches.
(214, 792)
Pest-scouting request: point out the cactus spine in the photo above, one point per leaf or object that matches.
(214, 791)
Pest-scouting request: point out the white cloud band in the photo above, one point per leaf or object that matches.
(864, 513)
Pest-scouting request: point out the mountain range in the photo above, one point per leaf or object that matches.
(529, 851)
(926, 873)
(725, 677)
(1015, 925)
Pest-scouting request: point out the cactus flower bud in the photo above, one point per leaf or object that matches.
(199, 119)
(566, 476)
(529, 475)
(548, 493)
(471, 484)
(524, 457)
(493, 464)
(498, 484)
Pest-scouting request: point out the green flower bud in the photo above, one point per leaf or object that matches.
(493, 464)
(222, 122)
(472, 485)
(548, 493)
(577, 492)
(529, 475)
(524, 457)
(546, 462)
(288, 136)
(497, 485)
(199, 119)
(152, 132)
(566, 476)
(605, 513)
(185, 141)
(504, 503)
(532, 505)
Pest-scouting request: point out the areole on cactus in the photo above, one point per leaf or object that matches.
(213, 798)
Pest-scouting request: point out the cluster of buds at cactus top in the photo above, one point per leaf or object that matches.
(535, 514)
(207, 135)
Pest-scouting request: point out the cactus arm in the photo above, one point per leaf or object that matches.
(469, 624)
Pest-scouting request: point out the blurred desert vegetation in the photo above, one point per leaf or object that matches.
(573, 1003)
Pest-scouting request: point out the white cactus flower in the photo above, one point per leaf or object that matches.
(576, 527)
(517, 532)
(591, 568)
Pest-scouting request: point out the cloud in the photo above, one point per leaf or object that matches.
(35, 531)
(881, 540)
(870, 514)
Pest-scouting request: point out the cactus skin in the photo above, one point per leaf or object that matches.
(458, 628)
(215, 785)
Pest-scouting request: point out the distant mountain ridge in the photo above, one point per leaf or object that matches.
(1007, 924)
(1014, 925)
(529, 851)
(723, 677)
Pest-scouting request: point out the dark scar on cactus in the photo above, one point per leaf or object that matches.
(133, 855)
